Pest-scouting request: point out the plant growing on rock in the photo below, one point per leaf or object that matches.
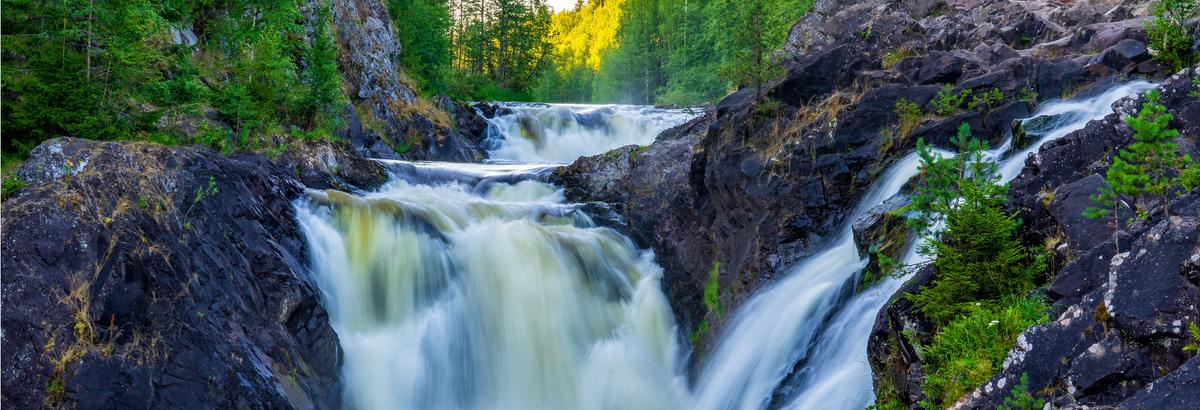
(972, 348)
(1150, 170)
(1020, 398)
(986, 100)
(979, 297)
(909, 115)
(947, 102)
(1169, 35)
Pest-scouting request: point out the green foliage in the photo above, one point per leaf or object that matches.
(947, 102)
(12, 184)
(500, 47)
(1027, 94)
(895, 56)
(324, 101)
(207, 191)
(1169, 34)
(753, 64)
(978, 259)
(979, 296)
(110, 70)
(665, 51)
(1195, 92)
(423, 28)
(1194, 346)
(978, 256)
(1020, 398)
(986, 100)
(947, 182)
(712, 290)
(1150, 169)
(971, 348)
(909, 114)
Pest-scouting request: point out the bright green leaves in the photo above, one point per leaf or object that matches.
(1169, 34)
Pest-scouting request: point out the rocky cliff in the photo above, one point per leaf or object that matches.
(770, 176)
(386, 119)
(140, 276)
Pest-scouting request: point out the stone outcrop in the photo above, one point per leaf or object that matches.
(144, 276)
(774, 174)
(386, 119)
(1122, 311)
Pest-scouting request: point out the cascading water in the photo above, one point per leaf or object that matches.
(475, 286)
(560, 133)
(838, 375)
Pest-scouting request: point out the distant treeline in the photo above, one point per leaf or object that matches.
(628, 51)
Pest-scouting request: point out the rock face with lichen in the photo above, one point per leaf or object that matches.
(386, 119)
(144, 276)
(1120, 312)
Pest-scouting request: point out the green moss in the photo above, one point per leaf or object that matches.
(712, 290)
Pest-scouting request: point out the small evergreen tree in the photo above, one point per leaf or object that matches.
(1149, 171)
(978, 256)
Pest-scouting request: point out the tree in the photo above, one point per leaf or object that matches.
(1150, 170)
(978, 256)
(423, 28)
(753, 62)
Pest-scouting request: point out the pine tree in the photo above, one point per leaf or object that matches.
(753, 63)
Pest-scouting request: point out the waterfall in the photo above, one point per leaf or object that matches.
(560, 133)
(477, 286)
(839, 376)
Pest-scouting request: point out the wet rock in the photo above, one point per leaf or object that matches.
(882, 231)
(649, 188)
(895, 339)
(1177, 390)
(1124, 54)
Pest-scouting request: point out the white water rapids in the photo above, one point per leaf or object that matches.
(475, 286)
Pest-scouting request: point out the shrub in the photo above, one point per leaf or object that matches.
(1152, 168)
(1020, 398)
(986, 100)
(1169, 34)
(910, 116)
(948, 102)
(895, 56)
(11, 186)
(978, 259)
(971, 348)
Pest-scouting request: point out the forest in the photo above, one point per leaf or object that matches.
(139, 69)
(604, 51)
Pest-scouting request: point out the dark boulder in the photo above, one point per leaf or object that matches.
(138, 275)
(1121, 56)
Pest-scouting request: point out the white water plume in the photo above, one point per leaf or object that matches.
(446, 298)
(474, 286)
(560, 133)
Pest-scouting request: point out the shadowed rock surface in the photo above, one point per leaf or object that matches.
(144, 276)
